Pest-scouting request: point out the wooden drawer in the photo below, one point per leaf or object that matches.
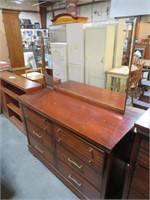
(143, 155)
(40, 149)
(81, 184)
(39, 135)
(86, 152)
(79, 166)
(38, 119)
(140, 184)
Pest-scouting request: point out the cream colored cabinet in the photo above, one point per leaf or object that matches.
(75, 41)
(99, 45)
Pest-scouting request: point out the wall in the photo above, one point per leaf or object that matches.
(95, 12)
(4, 56)
(34, 17)
(144, 31)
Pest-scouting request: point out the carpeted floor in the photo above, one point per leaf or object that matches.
(22, 175)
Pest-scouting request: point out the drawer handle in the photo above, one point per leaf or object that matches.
(36, 146)
(74, 163)
(35, 133)
(59, 140)
(44, 120)
(71, 178)
(59, 130)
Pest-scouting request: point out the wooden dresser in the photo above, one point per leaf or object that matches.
(82, 144)
(11, 87)
(137, 179)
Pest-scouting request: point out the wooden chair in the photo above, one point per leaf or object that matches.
(34, 74)
(135, 79)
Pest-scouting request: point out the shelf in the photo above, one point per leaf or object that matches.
(9, 92)
(14, 108)
(17, 122)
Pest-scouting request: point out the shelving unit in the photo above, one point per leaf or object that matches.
(12, 86)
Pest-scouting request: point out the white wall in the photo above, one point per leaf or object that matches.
(4, 56)
(34, 17)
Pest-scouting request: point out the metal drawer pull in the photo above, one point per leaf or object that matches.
(75, 164)
(78, 184)
(35, 133)
(36, 146)
(59, 140)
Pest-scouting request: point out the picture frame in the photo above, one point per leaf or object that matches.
(139, 50)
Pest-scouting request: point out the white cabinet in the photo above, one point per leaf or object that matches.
(99, 46)
(59, 60)
(75, 41)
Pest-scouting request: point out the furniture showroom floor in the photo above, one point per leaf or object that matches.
(22, 175)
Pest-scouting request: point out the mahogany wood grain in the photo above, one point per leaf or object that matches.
(13, 36)
(15, 80)
(102, 127)
(98, 96)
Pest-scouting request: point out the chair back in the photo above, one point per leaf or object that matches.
(135, 76)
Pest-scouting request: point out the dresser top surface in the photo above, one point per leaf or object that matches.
(98, 125)
(20, 82)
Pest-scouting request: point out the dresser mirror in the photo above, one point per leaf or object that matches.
(106, 53)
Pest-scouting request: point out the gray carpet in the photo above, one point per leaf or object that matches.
(22, 175)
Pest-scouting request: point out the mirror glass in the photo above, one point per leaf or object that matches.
(97, 54)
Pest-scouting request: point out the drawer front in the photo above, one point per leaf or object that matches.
(37, 119)
(79, 166)
(39, 135)
(143, 155)
(91, 155)
(76, 180)
(40, 149)
(140, 183)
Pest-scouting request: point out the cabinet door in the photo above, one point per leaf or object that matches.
(75, 42)
(59, 60)
(13, 35)
(99, 44)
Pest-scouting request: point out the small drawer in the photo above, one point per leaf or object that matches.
(40, 149)
(91, 155)
(143, 155)
(79, 166)
(81, 184)
(38, 119)
(39, 135)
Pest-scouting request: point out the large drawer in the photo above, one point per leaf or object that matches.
(81, 184)
(43, 151)
(39, 135)
(143, 155)
(79, 166)
(38, 119)
(86, 152)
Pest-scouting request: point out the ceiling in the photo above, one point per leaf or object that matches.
(32, 4)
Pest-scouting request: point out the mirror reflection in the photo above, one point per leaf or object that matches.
(93, 53)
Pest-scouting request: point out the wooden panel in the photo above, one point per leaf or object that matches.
(143, 155)
(13, 35)
(97, 96)
(140, 183)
